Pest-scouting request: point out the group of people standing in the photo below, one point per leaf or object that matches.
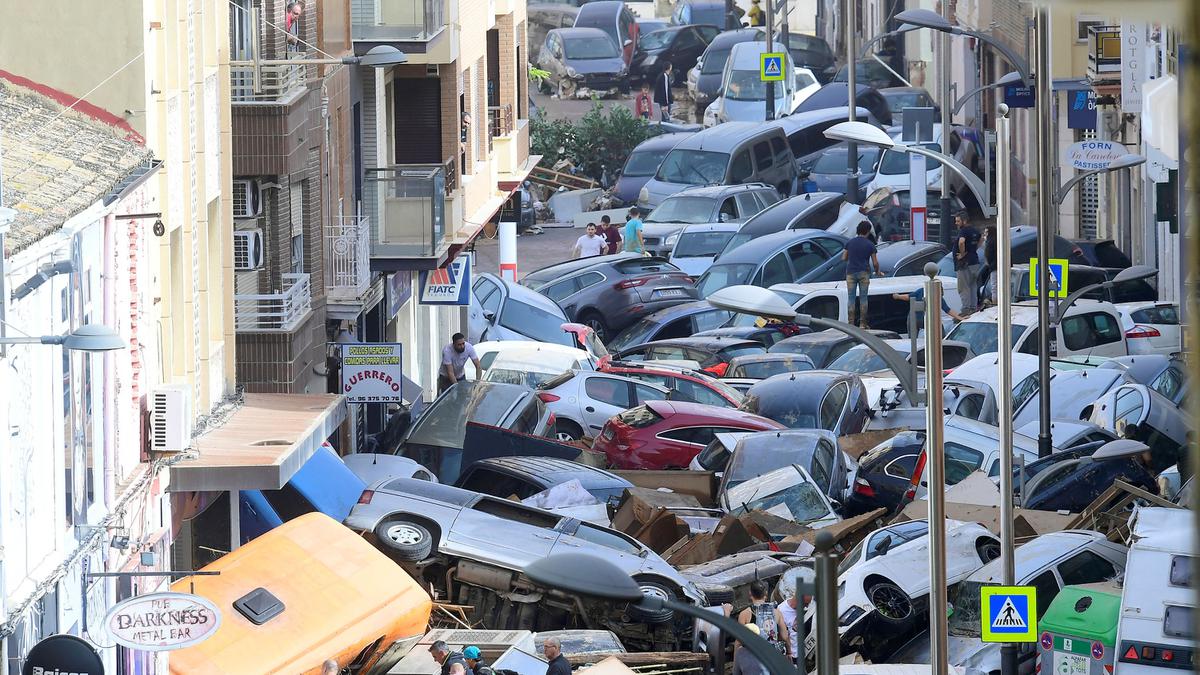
(643, 103)
(607, 238)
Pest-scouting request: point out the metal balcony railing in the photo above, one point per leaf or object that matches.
(348, 257)
(279, 311)
(276, 84)
(405, 205)
(396, 20)
(500, 120)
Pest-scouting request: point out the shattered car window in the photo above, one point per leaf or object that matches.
(784, 492)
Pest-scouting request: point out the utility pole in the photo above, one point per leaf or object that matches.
(1009, 650)
(939, 653)
(825, 563)
(850, 17)
(770, 102)
(1043, 110)
(944, 221)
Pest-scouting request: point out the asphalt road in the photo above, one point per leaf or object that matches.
(534, 251)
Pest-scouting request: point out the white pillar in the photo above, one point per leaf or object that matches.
(508, 251)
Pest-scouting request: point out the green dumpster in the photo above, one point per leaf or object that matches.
(1079, 630)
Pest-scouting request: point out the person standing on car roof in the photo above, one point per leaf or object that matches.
(452, 663)
(966, 262)
(454, 362)
(860, 255)
(765, 615)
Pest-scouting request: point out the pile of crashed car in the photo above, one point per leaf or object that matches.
(703, 446)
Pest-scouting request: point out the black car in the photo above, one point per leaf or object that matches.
(712, 353)
(1073, 484)
(680, 46)
(1131, 290)
(706, 13)
(682, 320)
(608, 293)
(1103, 253)
(871, 72)
(836, 95)
(812, 399)
(899, 98)
(885, 473)
(526, 476)
(826, 169)
(711, 65)
(896, 259)
(823, 347)
(812, 52)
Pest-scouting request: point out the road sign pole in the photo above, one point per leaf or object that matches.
(1003, 272)
(917, 128)
(850, 18)
(1045, 187)
(770, 99)
(938, 638)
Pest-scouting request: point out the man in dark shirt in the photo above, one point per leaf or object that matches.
(966, 262)
(452, 663)
(559, 665)
(860, 255)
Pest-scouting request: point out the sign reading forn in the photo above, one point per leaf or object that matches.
(160, 622)
(1093, 155)
(371, 372)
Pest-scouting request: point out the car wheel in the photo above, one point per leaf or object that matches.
(717, 594)
(566, 430)
(892, 604)
(596, 323)
(988, 549)
(409, 541)
(653, 616)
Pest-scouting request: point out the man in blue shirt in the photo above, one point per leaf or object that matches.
(860, 255)
(966, 262)
(919, 295)
(633, 232)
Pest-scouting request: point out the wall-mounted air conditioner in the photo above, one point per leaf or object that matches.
(247, 198)
(170, 418)
(247, 249)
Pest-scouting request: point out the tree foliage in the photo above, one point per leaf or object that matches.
(603, 138)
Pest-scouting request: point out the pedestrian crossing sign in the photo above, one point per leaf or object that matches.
(770, 67)
(1058, 272)
(1009, 613)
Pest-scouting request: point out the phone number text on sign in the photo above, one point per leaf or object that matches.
(372, 373)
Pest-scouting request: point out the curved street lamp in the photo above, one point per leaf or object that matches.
(92, 337)
(925, 18)
(1128, 274)
(1011, 77)
(904, 28)
(1126, 161)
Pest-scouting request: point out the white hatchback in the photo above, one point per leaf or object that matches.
(1151, 327)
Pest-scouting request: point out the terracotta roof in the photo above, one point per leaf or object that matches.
(54, 168)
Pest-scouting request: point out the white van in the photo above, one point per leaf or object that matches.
(743, 95)
(827, 299)
(1155, 630)
(1089, 328)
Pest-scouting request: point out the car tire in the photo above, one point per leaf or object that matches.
(407, 540)
(657, 616)
(717, 594)
(987, 549)
(596, 322)
(566, 431)
(892, 604)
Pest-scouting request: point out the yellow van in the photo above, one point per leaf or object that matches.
(306, 591)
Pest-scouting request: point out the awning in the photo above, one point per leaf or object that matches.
(262, 444)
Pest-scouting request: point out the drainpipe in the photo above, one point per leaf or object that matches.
(110, 394)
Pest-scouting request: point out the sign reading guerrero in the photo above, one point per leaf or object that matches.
(159, 622)
(371, 372)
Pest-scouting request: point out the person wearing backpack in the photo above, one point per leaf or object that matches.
(475, 664)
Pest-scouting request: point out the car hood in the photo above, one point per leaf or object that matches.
(971, 654)
(653, 229)
(628, 187)
(597, 66)
(659, 190)
(693, 266)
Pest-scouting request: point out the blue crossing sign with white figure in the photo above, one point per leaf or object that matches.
(771, 67)
(1059, 268)
(1009, 613)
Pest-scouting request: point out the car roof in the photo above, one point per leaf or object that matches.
(757, 250)
(580, 32)
(760, 358)
(601, 6)
(553, 470)
(662, 141)
(827, 335)
(716, 191)
(1026, 313)
(669, 408)
(896, 251)
(807, 118)
(659, 366)
(677, 311)
(711, 227)
(557, 270)
(711, 341)
(787, 210)
(723, 137)
(745, 55)
(526, 295)
(732, 37)
(1037, 553)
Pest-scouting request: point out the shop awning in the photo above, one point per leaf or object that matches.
(262, 444)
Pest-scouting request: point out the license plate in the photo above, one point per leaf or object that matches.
(810, 643)
(670, 293)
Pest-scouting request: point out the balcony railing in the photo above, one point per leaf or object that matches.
(397, 20)
(280, 311)
(500, 120)
(276, 84)
(450, 169)
(348, 258)
(406, 207)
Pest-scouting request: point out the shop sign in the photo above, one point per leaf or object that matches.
(159, 622)
(62, 655)
(399, 290)
(372, 372)
(449, 285)
(1093, 155)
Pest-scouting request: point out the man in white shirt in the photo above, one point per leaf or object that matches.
(454, 361)
(590, 244)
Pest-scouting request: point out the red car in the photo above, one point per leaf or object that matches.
(668, 434)
(692, 385)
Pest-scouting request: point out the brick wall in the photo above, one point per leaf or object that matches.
(508, 51)
(450, 112)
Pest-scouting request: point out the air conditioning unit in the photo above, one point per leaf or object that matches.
(247, 249)
(170, 418)
(247, 198)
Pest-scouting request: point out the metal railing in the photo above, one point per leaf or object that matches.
(500, 120)
(450, 169)
(348, 257)
(276, 84)
(400, 20)
(280, 311)
(405, 205)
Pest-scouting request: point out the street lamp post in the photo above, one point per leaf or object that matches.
(939, 654)
(1047, 216)
(1004, 340)
(851, 15)
(1008, 78)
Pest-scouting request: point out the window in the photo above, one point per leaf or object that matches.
(1181, 571)
(776, 271)
(709, 320)
(1024, 390)
(762, 155)
(821, 217)
(489, 482)
(824, 307)
(502, 508)
(822, 464)
(705, 359)
(639, 417)
(643, 393)
(971, 406)
(298, 254)
(902, 467)
(589, 279)
(741, 170)
(535, 322)
(288, 502)
(608, 390)
(783, 154)
(675, 329)
(1162, 314)
(606, 538)
(960, 461)
(695, 435)
(747, 206)
(561, 290)
(832, 404)
(729, 210)
(527, 421)
(1047, 589)
(1084, 331)
(767, 197)
(699, 393)
(1085, 568)
(831, 246)
(805, 256)
(490, 301)
(1030, 345)
(1177, 621)
(665, 352)
(1127, 409)
(686, 39)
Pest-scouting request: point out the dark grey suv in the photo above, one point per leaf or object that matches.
(610, 292)
(700, 205)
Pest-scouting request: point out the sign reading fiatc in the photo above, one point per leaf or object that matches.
(162, 621)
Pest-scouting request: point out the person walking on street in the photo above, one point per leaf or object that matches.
(590, 244)
(756, 14)
(662, 92)
(860, 255)
(558, 664)
(475, 663)
(611, 234)
(454, 360)
(966, 262)
(643, 104)
(919, 295)
(452, 663)
(634, 243)
(765, 615)
(744, 661)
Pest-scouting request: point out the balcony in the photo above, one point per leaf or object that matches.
(348, 258)
(281, 311)
(396, 20)
(277, 85)
(1104, 53)
(406, 207)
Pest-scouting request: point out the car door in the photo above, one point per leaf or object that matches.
(603, 396)
(747, 205)
(486, 297)
(777, 270)
(685, 49)
(832, 404)
(503, 531)
(805, 257)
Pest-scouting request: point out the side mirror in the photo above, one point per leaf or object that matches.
(882, 547)
(837, 505)
(725, 218)
(720, 92)
(489, 315)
